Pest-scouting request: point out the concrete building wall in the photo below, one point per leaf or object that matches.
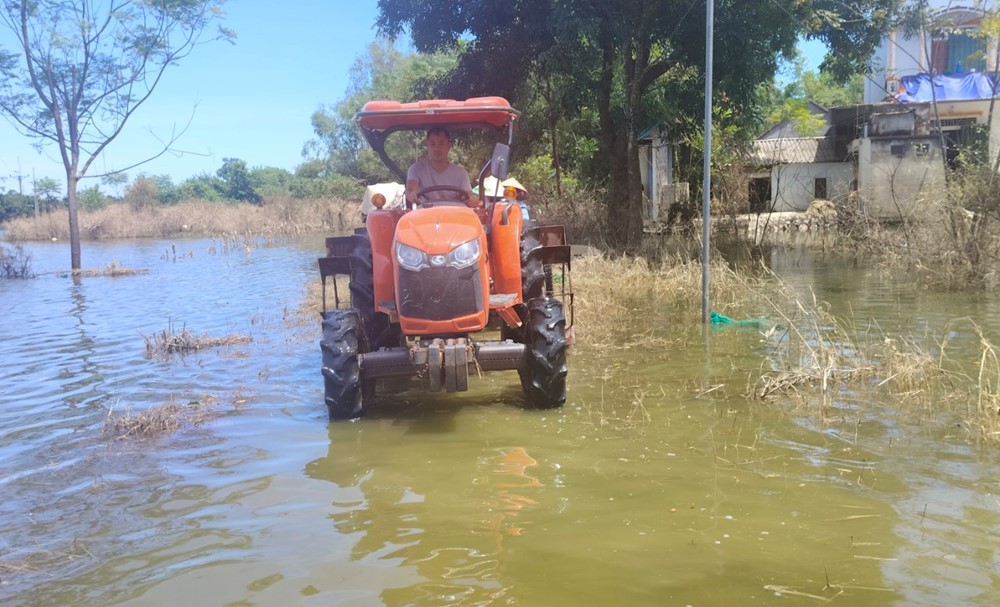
(656, 168)
(899, 55)
(895, 174)
(793, 186)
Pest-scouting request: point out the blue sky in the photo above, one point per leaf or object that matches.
(254, 99)
(251, 100)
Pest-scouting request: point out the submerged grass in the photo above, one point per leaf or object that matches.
(811, 353)
(624, 303)
(167, 418)
(818, 356)
(15, 262)
(169, 341)
(113, 270)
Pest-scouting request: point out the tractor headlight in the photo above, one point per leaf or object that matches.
(464, 255)
(410, 258)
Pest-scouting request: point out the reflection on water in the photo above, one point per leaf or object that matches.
(708, 499)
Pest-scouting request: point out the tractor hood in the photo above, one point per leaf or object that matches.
(438, 230)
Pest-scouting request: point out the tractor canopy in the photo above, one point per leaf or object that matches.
(379, 119)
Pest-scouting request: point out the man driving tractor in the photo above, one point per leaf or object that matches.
(437, 170)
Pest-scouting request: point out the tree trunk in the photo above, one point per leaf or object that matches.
(74, 222)
(633, 188)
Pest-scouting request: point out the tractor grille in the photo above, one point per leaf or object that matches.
(440, 293)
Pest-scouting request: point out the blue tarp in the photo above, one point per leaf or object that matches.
(947, 87)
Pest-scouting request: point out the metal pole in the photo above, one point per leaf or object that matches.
(707, 179)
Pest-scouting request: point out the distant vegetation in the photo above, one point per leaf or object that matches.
(233, 182)
(273, 216)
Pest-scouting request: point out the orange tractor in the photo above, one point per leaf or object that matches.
(450, 288)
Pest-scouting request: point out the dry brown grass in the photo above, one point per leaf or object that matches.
(169, 341)
(983, 411)
(167, 418)
(819, 355)
(112, 270)
(650, 301)
(23, 561)
(948, 244)
(815, 350)
(276, 216)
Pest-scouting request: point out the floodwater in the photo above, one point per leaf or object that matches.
(658, 483)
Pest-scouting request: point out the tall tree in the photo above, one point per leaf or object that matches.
(623, 48)
(237, 184)
(82, 67)
(383, 72)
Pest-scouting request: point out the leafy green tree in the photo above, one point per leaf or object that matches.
(624, 49)
(825, 90)
(791, 102)
(93, 198)
(46, 188)
(115, 181)
(336, 186)
(14, 204)
(270, 181)
(383, 72)
(203, 187)
(166, 191)
(236, 182)
(81, 68)
(143, 193)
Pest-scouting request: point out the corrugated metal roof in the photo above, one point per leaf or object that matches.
(793, 150)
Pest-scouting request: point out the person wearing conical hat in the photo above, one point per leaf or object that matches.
(513, 191)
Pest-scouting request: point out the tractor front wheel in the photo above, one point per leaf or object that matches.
(341, 344)
(544, 376)
(532, 272)
(375, 325)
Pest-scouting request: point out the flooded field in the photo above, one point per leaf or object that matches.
(659, 483)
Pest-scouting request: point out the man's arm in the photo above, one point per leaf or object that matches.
(469, 196)
(412, 187)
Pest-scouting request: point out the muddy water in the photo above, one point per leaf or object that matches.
(657, 484)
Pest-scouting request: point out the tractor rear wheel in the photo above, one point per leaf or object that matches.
(532, 272)
(544, 378)
(341, 344)
(376, 325)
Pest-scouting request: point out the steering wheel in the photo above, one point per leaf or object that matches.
(462, 194)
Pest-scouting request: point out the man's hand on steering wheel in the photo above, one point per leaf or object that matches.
(421, 195)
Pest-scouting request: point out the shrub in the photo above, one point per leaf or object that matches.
(581, 210)
(15, 263)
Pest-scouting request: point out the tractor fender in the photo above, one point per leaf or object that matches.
(505, 247)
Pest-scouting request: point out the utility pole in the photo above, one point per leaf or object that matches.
(34, 190)
(706, 228)
(20, 178)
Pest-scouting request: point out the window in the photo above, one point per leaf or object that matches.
(819, 188)
(958, 53)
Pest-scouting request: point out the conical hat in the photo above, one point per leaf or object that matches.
(510, 182)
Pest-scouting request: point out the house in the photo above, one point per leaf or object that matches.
(656, 159)
(796, 170)
(931, 96)
(949, 45)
